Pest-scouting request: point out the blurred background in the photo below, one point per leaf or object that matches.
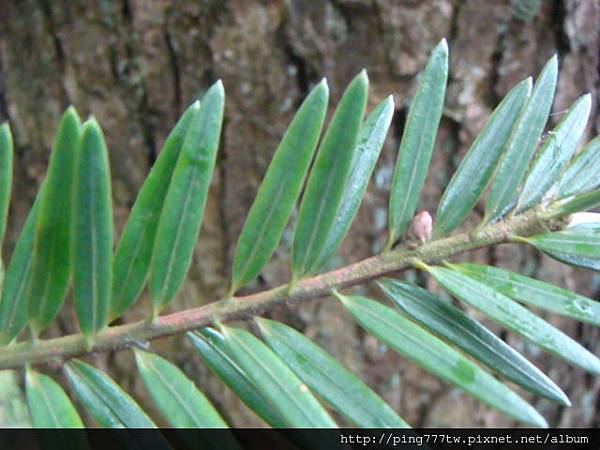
(137, 64)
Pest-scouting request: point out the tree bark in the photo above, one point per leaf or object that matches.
(136, 64)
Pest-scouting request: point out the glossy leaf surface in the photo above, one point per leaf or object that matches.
(328, 378)
(175, 395)
(328, 179)
(49, 406)
(478, 165)
(92, 237)
(515, 317)
(275, 381)
(418, 141)
(110, 405)
(51, 262)
(183, 209)
(582, 174)
(522, 145)
(430, 352)
(280, 188)
(131, 262)
(536, 293)
(454, 326)
(6, 175)
(571, 247)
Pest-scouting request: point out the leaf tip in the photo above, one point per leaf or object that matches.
(442, 46)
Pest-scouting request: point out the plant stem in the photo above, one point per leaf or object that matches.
(60, 349)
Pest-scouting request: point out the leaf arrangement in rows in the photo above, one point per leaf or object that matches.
(66, 244)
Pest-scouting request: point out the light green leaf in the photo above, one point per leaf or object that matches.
(6, 175)
(280, 189)
(536, 293)
(430, 352)
(555, 154)
(457, 328)
(582, 174)
(13, 303)
(505, 311)
(175, 395)
(571, 247)
(477, 167)
(522, 145)
(92, 232)
(328, 179)
(577, 203)
(418, 141)
(282, 389)
(131, 261)
(51, 262)
(49, 406)
(370, 142)
(213, 350)
(110, 405)
(328, 378)
(183, 209)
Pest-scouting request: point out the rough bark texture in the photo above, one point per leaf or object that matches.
(136, 64)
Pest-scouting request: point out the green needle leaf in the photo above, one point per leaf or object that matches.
(212, 348)
(522, 145)
(328, 179)
(456, 327)
(183, 209)
(6, 169)
(175, 395)
(131, 262)
(370, 142)
(477, 167)
(577, 203)
(13, 304)
(48, 404)
(418, 141)
(536, 293)
(104, 399)
(430, 352)
(280, 189)
(582, 174)
(515, 317)
(328, 378)
(572, 247)
(555, 154)
(276, 382)
(92, 230)
(51, 262)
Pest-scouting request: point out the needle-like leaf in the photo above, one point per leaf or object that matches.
(104, 399)
(478, 165)
(418, 141)
(183, 209)
(430, 352)
(6, 173)
(536, 293)
(577, 203)
(276, 382)
(370, 142)
(328, 378)
(522, 145)
(13, 303)
(175, 395)
(572, 247)
(48, 404)
(131, 262)
(555, 154)
(51, 262)
(280, 189)
(456, 327)
(92, 230)
(213, 350)
(328, 179)
(582, 174)
(515, 317)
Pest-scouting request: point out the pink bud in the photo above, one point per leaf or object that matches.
(421, 226)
